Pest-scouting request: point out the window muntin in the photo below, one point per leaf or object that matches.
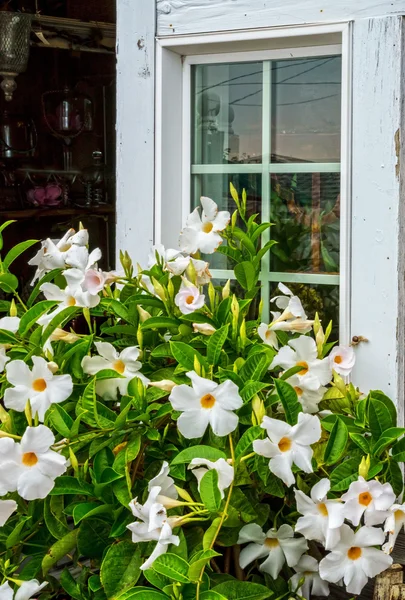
(251, 126)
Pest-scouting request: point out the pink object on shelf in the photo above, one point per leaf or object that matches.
(50, 195)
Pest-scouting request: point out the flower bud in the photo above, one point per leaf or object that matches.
(164, 384)
(183, 494)
(143, 314)
(364, 466)
(119, 447)
(159, 289)
(259, 410)
(211, 295)
(52, 366)
(62, 335)
(13, 309)
(169, 502)
(126, 262)
(204, 328)
(226, 290)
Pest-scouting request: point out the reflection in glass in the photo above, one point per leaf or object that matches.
(226, 130)
(306, 105)
(217, 188)
(305, 212)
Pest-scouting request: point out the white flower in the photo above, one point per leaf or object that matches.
(164, 384)
(189, 298)
(30, 467)
(342, 359)
(8, 324)
(55, 255)
(322, 517)
(371, 498)
(7, 507)
(166, 483)
(288, 303)
(125, 364)
(201, 232)
(204, 328)
(302, 352)
(279, 546)
(153, 525)
(354, 559)
(308, 567)
(225, 471)
(268, 336)
(39, 385)
(204, 403)
(181, 263)
(24, 592)
(70, 296)
(309, 399)
(393, 525)
(163, 255)
(287, 445)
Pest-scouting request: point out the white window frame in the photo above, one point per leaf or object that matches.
(174, 59)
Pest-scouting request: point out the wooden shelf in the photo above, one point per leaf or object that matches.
(38, 213)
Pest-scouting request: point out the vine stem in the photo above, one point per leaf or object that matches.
(223, 517)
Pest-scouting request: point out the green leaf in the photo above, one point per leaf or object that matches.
(207, 452)
(223, 310)
(160, 323)
(36, 290)
(185, 354)
(215, 344)
(246, 274)
(255, 367)
(387, 438)
(209, 491)
(244, 446)
(8, 282)
(212, 595)
(379, 418)
(58, 550)
(60, 420)
(86, 510)
(251, 388)
(143, 593)
(15, 536)
(361, 442)
(93, 539)
(59, 320)
(120, 569)
(2, 227)
(199, 561)
(211, 532)
(70, 585)
(236, 590)
(394, 477)
(30, 318)
(172, 566)
(162, 351)
(70, 485)
(289, 399)
(398, 451)
(16, 251)
(337, 443)
(377, 395)
(54, 516)
(156, 579)
(344, 474)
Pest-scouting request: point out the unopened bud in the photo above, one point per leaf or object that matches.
(184, 494)
(164, 384)
(52, 366)
(197, 366)
(143, 314)
(204, 328)
(258, 409)
(234, 219)
(73, 460)
(13, 309)
(119, 447)
(364, 466)
(169, 502)
(62, 335)
(211, 295)
(226, 290)
(159, 289)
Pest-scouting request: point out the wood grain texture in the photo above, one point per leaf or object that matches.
(135, 127)
(201, 16)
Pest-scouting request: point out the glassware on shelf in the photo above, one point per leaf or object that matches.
(67, 115)
(93, 178)
(15, 31)
(18, 136)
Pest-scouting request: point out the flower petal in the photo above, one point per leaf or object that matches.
(7, 507)
(293, 549)
(320, 490)
(308, 429)
(33, 485)
(276, 429)
(227, 395)
(18, 373)
(251, 553)
(223, 422)
(274, 563)
(281, 467)
(193, 423)
(184, 397)
(93, 364)
(16, 398)
(37, 439)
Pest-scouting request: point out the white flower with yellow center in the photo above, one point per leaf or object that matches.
(313, 585)
(309, 399)
(68, 297)
(277, 546)
(206, 403)
(8, 324)
(30, 467)
(289, 444)
(322, 517)
(302, 352)
(26, 590)
(354, 559)
(201, 232)
(393, 525)
(7, 507)
(126, 364)
(371, 498)
(222, 467)
(39, 385)
(342, 360)
(189, 299)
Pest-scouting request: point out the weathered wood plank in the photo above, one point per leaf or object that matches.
(385, 581)
(201, 16)
(135, 127)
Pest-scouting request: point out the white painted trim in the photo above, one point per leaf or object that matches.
(260, 55)
(272, 168)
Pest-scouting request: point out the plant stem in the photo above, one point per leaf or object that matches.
(17, 295)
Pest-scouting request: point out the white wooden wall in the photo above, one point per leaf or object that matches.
(378, 164)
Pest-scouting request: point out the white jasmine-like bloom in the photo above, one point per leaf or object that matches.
(189, 298)
(302, 352)
(164, 384)
(39, 385)
(153, 525)
(8, 324)
(342, 359)
(163, 255)
(201, 232)
(313, 585)
(204, 328)
(56, 255)
(166, 483)
(322, 517)
(24, 592)
(267, 335)
(289, 444)
(7, 507)
(309, 399)
(70, 296)
(293, 317)
(206, 403)
(354, 559)
(95, 280)
(181, 263)
(393, 525)
(279, 546)
(30, 467)
(222, 467)
(126, 364)
(371, 498)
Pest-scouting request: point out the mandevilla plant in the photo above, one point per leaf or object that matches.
(158, 440)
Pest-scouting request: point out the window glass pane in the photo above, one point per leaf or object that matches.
(227, 113)
(305, 101)
(305, 212)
